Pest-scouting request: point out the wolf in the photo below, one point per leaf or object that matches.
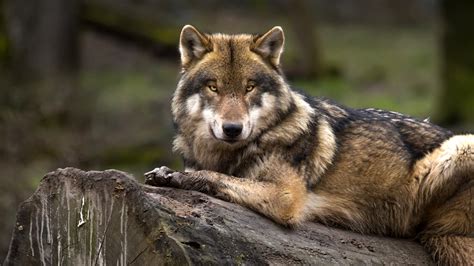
(247, 137)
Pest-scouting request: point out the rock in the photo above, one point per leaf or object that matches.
(89, 218)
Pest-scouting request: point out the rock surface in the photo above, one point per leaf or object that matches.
(90, 218)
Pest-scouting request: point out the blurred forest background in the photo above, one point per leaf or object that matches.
(88, 83)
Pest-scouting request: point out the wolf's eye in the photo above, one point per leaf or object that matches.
(212, 88)
(249, 88)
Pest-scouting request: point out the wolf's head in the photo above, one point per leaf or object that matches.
(231, 86)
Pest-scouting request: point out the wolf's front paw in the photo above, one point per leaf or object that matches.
(163, 177)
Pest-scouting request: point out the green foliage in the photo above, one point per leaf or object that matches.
(124, 22)
(387, 68)
(458, 99)
(4, 46)
(133, 111)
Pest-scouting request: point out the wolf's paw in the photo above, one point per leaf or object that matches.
(163, 177)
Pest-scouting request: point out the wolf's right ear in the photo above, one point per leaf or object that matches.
(192, 45)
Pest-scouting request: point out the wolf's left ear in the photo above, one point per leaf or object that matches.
(270, 45)
(192, 44)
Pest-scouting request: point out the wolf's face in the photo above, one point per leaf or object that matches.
(231, 87)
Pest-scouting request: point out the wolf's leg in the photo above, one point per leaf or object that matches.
(442, 171)
(449, 232)
(281, 199)
(450, 249)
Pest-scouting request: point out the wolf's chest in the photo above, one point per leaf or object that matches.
(237, 163)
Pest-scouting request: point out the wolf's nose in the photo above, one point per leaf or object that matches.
(232, 130)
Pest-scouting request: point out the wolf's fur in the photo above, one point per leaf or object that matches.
(300, 158)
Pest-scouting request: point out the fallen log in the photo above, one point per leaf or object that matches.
(89, 218)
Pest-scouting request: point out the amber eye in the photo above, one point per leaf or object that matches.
(212, 88)
(250, 88)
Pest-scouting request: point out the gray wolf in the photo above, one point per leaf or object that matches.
(247, 137)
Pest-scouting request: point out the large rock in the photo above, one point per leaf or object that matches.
(85, 218)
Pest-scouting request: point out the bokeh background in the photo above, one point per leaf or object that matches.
(88, 83)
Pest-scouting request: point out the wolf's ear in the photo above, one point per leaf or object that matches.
(270, 45)
(192, 44)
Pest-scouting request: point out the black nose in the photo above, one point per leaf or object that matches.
(232, 130)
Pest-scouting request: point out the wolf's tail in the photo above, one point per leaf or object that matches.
(447, 167)
(448, 185)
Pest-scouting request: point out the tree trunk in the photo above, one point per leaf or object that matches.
(44, 49)
(456, 102)
(85, 218)
(44, 91)
(44, 37)
(309, 61)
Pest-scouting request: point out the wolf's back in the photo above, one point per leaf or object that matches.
(418, 137)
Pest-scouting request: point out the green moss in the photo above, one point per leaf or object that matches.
(240, 259)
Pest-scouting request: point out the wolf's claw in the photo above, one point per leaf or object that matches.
(160, 176)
